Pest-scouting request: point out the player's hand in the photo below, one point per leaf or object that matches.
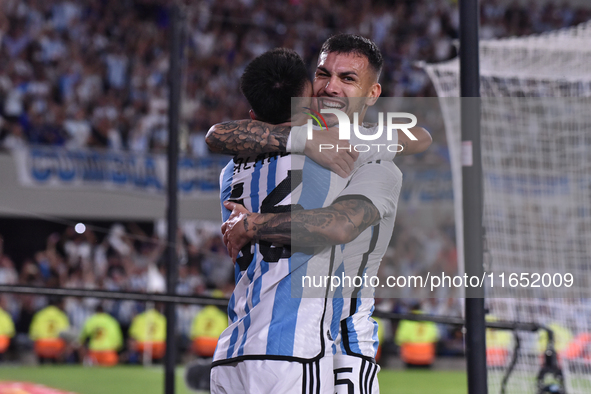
(340, 162)
(234, 230)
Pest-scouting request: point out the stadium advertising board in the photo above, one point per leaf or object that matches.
(62, 168)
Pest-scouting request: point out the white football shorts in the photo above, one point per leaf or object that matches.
(273, 377)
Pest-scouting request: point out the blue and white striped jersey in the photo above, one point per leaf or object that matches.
(266, 321)
(270, 316)
(353, 329)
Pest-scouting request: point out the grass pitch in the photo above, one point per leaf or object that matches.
(422, 382)
(139, 380)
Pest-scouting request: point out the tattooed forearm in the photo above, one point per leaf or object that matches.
(339, 223)
(247, 137)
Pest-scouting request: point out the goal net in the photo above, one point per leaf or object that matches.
(536, 156)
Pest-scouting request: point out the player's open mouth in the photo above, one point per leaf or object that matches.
(326, 103)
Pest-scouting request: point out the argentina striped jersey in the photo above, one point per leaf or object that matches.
(267, 320)
(353, 329)
(270, 316)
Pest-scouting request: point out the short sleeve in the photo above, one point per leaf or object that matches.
(378, 149)
(296, 140)
(378, 182)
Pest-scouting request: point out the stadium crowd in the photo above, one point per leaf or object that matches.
(123, 259)
(92, 74)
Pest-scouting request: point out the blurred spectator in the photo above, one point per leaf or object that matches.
(45, 330)
(148, 334)
(207, 326)
(498, 345)
(78, 128)
(14, 137)
(8, 273)
(562, 337)
(579, 348)
(6, 331)
(104, 338)
(417, 341)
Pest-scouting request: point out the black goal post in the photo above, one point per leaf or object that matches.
(472, 195)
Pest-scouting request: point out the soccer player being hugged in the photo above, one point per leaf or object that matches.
(281, 202)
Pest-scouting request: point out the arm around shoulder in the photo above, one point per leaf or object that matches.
(411, 147)
(247, 137)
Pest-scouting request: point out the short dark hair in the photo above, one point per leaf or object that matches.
(351, 43)
(271, 80)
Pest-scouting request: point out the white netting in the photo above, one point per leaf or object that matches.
(536, 154)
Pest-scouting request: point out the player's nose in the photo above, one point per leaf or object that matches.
(332, 87)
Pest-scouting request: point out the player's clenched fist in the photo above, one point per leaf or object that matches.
(235, 230)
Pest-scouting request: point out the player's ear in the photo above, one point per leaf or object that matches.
(374, 93)
(253, 116)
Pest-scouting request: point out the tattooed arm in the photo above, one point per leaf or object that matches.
(252, 137)
(255, 137)
(247, 137)
(336, 224)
